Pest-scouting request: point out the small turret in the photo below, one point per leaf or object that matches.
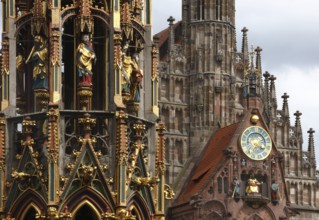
(285, 107)
(311, 147)
(253, 76)
(171, 34)
(244, 48)
(171, 40)
(298, 131)
(266, 92)
(272, 96)
(258, 59)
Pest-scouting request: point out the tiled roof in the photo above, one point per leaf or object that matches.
(163, 35)
(210, 159)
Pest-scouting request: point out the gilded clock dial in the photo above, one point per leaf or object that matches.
(256, 143)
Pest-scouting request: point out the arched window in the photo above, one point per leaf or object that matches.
(293, 193)
(294, 164)
(225, 185)
(220, 184)
(200, 10)
(85, 212)
(31, 214)
(218, 10)
(135, 213)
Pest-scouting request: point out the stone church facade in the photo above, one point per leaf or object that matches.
(205, 87)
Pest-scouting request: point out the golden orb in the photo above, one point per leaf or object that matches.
(254, 119)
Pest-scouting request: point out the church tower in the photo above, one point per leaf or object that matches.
(210, 48)
(201, 78)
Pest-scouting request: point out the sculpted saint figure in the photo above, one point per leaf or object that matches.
(38, 56)
(132, 76)
(236, 185)
(252, 185)
(85, 57)
(274, 191)
(136, 80)
(20, 74)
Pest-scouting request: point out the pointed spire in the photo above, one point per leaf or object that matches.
(266, 91)
(244, 48)
(258, 59)
(171, 39)
(311, 145)
(272, 93)
(285, 107)
(253, 77)
(298, 131)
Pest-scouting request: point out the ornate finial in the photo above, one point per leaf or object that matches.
(272, 78)
(160, 127)
(27, 130)
(84, 21)
(87, 123)
(139, 128)
(254, 118)
(244, 30)
(311, 132)
(27, 126)
(266, 75)
(285, 97)
(297, 114)
(171, 20)
(258, 50)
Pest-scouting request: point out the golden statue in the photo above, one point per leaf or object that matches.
(85, 56)
(20, 73)
(38, 56)
(252, 185)
(131, 77)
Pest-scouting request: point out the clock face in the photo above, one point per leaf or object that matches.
(256, 143)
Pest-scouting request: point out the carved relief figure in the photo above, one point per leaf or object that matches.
(85, 57)
(38, 56)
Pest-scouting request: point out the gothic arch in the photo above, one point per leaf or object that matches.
(87, 195)
(138, 203)
(22, 21)
(215, 209)
(265, 212)
(255, 217)
(100, 38)
(214, 216)
(70, 12)
(293, 163)
(27, 200)
(29, 208)
(89, 207)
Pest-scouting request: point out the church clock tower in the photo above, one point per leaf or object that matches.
(210, 47)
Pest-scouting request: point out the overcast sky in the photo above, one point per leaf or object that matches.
(288, 33)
